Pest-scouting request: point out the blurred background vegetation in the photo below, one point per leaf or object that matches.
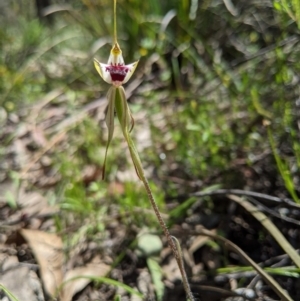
(215, 98)
(217, 86)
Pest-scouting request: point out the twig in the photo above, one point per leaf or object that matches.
(175, 250)
(272, 229)
(269, 279)
(273, 199)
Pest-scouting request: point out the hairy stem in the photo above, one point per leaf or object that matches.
(176, 251)
(125, 118)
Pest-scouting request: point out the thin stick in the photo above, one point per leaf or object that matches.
(124, 115)
(175, 250)
(268, 278)
(115, 21)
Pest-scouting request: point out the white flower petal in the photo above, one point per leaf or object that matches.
(116, 57)
(131, 68)
(102, 70)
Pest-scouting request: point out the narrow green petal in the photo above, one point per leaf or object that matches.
(132, 121)
(127, 122)
(109, 119)
(135, 158)
(123, 111)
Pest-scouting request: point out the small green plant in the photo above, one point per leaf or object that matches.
(284, 170)
(292, 8)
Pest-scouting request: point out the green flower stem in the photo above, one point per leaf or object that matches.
(115, 21)
(126, 120)
(175, 251)
(177, 254)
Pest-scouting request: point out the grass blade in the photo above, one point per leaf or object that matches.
(272, 229)
(109, 119)
(269, 279)
(8, 293)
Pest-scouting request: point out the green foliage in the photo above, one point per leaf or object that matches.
(217, 86)
(181, 210)
(284, 170)
(135, 207)
(156, 274)
(109, 281)
(291, 8)
(282, 271)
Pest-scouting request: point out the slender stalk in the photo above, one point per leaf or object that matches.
(176, 250)
(124, 116)
(115, 21)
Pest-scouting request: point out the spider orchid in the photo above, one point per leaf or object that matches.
(116, 73)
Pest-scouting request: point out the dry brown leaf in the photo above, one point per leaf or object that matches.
(115, 188)
(22, 283)
(7, 187)
(74, 286)
(8, 262)
(33, 203)
(20, 152)
(171, 271)
(38, 136)
(199, 242)
(47, 249)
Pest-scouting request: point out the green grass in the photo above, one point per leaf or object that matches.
(282, 271)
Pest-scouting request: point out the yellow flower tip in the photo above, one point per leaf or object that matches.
(116, 57)
(116, 50)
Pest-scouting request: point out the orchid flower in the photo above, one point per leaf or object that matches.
(116, 73)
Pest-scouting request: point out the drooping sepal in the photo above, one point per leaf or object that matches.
(123, 112)
(135, 159)
(127, 122)
(109, 119)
